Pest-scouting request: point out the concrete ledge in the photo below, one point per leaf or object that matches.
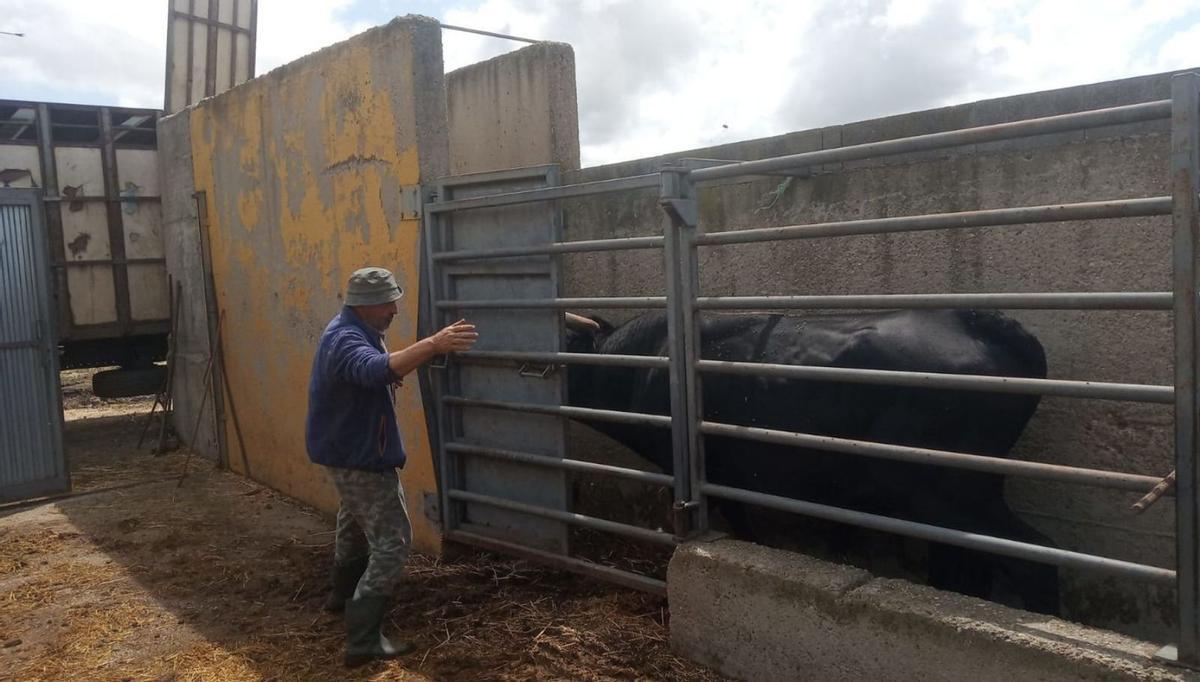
(756, 613)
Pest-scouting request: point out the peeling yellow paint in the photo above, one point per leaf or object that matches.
(296, 190)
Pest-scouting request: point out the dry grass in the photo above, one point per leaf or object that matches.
(521, 621)
(17, 549)
(223, 580)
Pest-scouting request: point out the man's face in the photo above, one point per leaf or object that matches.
(378, 316)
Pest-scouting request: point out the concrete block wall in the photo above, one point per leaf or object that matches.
(1134, 254)
(181, 244)
(304, 172)
(516, 110)
(754, 613)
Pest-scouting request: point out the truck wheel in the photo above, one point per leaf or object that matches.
(125, 383)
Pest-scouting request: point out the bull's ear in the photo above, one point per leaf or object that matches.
(581, 323)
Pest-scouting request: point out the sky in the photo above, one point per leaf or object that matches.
(660, 76)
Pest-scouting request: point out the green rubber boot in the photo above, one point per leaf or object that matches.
(343, 580)
(364, 641)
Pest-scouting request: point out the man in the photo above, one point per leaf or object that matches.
(351, 430)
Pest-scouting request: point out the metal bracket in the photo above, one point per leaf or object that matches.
(681, 513)
(440, 362)
(682, 210)
(410, 202)
(674, 196)
(528, 371)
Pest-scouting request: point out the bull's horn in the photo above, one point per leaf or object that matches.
(580, 322)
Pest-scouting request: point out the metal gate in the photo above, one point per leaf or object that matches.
(483, 493)
(500, 411)
(683, 236)
(31, 452)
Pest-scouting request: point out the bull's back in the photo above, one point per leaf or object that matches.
(955, 342)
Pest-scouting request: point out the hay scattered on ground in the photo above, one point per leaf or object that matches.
(223, 580)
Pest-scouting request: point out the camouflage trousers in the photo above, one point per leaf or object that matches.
(372, 521)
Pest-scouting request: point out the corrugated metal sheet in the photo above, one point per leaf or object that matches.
(31, 455)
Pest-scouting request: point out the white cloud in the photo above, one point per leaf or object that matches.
(288, 30)
(669, 75)
(85, 48)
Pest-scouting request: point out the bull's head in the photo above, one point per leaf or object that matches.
(585, 334)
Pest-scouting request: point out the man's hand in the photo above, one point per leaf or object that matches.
(455, 338)
(458, 337)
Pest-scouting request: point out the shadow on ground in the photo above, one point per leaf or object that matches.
(221, 579)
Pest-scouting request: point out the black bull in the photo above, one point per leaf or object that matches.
(957, 342)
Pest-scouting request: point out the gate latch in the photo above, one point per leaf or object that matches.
(535, 371)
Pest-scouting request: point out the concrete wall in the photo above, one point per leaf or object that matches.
(754, 613)
(181, 243)
(1119, 162)
(303, 171)
(518, 109)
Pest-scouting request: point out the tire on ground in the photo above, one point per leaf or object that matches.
(125, 383)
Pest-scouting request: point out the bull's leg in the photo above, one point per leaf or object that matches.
(955, 569)
(737, 515)
(1029, 585)
(1034, 583)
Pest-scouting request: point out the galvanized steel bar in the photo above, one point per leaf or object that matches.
(585, 413)
(116, 221)
(439, 382)
(613, 575)
(597, 359)
(561, 303)
(565, 464)
(1117, 300)
(956, 460)
(1095, 390)
(644, 534)
(1132, 113)
(950, 536)
(53, 214)
(1054, 213)
(490, 34)
(562, 192)
(677, 199)
(582, 246)
(1185, 184)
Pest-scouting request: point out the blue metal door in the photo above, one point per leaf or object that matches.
(31, 452)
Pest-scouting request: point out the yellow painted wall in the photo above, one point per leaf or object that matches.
(302, 171)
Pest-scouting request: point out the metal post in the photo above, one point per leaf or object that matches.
(678, 200)
(116, 221)
(1185, 182)
(439, 378)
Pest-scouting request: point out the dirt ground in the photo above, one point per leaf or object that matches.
(140, 578)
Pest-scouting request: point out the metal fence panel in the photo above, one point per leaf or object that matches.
(31, 453)
(539, 330)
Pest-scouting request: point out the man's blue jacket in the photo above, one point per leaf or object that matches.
(351, 406)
